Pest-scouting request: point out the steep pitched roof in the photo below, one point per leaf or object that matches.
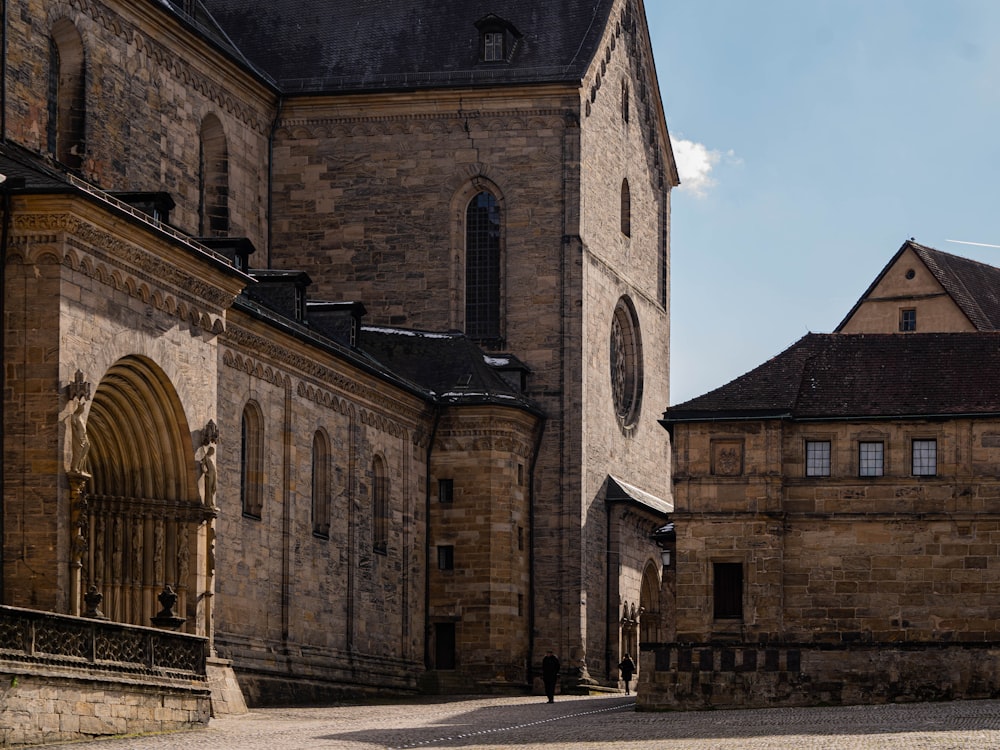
(321, 45)
(864, 376)
(974, 286)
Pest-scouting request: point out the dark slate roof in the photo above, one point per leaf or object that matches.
(318, 45)
(974, 286)
(449, 365)
(864, 376)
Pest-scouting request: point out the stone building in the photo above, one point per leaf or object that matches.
(836, 509)
(344, 325)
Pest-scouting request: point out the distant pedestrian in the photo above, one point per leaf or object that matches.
(550, 673)
(627, 667)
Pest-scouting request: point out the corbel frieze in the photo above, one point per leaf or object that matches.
(420, 124)
(246, 341)
(110, 260)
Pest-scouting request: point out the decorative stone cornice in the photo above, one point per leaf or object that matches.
(110, 260)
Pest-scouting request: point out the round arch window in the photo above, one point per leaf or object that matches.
(626, 363)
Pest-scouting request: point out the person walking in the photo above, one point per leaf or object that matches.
(627, 667)
(550, 672)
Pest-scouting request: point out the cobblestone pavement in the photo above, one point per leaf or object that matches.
(592, 723)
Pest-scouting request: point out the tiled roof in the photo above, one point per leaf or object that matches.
(314, 45)
(449, 365)
(974, 286)
(865, 376)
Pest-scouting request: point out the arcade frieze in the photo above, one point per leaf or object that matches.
(163, 59)
(422, 124)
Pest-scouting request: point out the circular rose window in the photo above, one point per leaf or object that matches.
(626, 363)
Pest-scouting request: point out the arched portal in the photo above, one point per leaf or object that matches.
(649, 602)
(147, 525)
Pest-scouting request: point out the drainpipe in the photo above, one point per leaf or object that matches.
(427, 537)
(4, 235)
(531, 549)
(270, 173)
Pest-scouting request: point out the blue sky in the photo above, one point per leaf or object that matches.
(814, 137)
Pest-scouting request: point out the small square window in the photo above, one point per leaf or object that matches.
(493, 46)
(446, 490)
(871, 459)
(908, 320)
(446, 557)
(817, 458)
(924, 458)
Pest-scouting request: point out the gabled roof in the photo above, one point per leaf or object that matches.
(327, 45)
(864, 376)
(973, 286)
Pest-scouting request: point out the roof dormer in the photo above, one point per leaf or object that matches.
(498, 39)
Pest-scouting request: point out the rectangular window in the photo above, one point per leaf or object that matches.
(817, 458)
(446, 557)
(728, 591)
(493, 46)
(924, 458)
(871, 459)
(446, 490)
(908, 320)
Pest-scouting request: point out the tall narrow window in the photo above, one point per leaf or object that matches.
(482, 268)
(818, 458)
(626, 209)
(67, 95)
(446, 557)
(728, 590)
(625, 103)
(380, 506)
(213, 179)
(252, 461)
(924, 458)
(321, 485)
(446, 490)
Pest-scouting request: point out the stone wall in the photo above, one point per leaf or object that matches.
(747, 675)
(326, 607)
(64, 678)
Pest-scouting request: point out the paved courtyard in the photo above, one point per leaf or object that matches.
(586, 722)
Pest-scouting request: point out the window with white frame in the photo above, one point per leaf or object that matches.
(871, 458)
(817, 458)
(924, 458)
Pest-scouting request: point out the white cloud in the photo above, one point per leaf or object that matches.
(695, 162)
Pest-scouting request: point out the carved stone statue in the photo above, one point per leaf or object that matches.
(81, 443)
(211, 474)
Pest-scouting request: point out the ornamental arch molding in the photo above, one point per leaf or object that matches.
(145, 526)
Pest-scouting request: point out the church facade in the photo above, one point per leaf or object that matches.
(355, 345)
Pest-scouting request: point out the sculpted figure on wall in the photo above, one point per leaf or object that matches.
(81, 443)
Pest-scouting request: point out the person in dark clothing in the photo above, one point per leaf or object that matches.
(627, 667)
(550, 672)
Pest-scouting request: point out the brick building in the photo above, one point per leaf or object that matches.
(343, 321)
(836, 509)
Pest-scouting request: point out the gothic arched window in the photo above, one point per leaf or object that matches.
(482, 268)
(626, 209)
(67, 95)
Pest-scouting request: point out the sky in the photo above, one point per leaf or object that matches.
(813, 138)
